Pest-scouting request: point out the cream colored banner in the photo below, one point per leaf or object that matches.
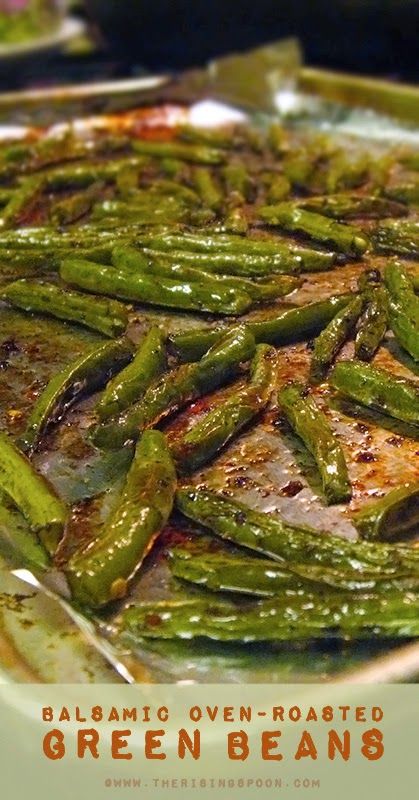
(209, 741)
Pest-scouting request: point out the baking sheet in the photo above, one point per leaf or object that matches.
(257, 468)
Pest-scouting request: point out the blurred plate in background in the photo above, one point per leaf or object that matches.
(68, 29)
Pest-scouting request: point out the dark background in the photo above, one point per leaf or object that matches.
(375, 36)
(132, 37)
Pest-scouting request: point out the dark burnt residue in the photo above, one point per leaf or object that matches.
(291, 489)
(9, 346)
(241, 481)
(395, 441)
(361, 427)
(365, 457)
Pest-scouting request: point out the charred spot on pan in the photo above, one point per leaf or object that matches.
(241, 481)
(291, 489)
(365, 457)
(9, 346)
(361, 427)
(395, 441)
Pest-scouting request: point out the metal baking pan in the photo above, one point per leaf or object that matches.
(255, 468)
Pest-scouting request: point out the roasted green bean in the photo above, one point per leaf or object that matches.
(107, 316)
(196, 154)
(311, 425)
(378, 389)
(223, 571)
(178, 387)
(398, 237)
(140, 288)
(204, 440)
(102, 571)
(403, 308)
(227, 251)
(131, 383)
(374, 320)
(134, 260)
(34, 497)
(91, 371)
(392, 516)
(293, 544)
(288, 326)
(277, 620)
(344, 238)
(333, 337)
(349, 206)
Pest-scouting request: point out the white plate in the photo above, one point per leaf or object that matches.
(67, 29)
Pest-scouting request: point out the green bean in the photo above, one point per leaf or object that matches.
(221, 570)
(107, 316)
(163, 188)
(173, 168)
(18, 541)
(311, 425)
(349, 206)
(271, 536)
(63, 212)
(299, 167)
(254, 266)
(22, 201)
(399, 237)
(333, 337)
(127, 181)
(407, 192)
(277, 620)
(46, 260)
(102, 571)
(136, 261)
(291, 325)
(377, 389)
(269, 255)
(279, 189)
(392, 516)
(235, 220)
(207, 188)
(196, 154)
(141, 288)
(224, 572)
(33, 496)
(47, 238)
(79, 176)
(278, 139)
(374, 320)
(211, 137)
(218, 427)
(24, 158)
(152, 211)
(341, 173)
(15, 153)
(344, 238)
(178, 387)
(131, 383)
(88, 373)
(237, 179)
(403, 308)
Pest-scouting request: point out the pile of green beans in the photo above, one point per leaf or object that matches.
(214, 224)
